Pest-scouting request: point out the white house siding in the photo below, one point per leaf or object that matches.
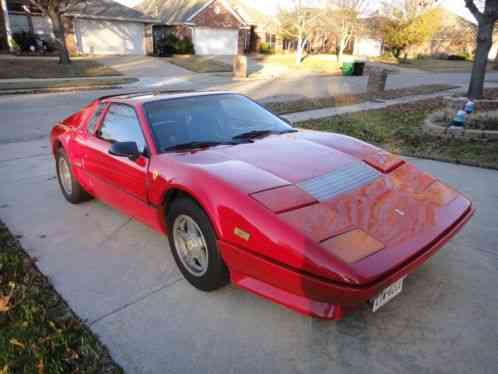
(368, 47)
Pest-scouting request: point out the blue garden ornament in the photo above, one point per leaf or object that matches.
(470, 107)
(459, 119)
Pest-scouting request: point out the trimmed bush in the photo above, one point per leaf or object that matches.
(171, 45)
(266, 49)
(457, 58)
(184, 47)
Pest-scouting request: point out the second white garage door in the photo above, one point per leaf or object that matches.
(210, 41)
(110, 37)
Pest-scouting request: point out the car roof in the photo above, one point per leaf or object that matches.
(156, 95)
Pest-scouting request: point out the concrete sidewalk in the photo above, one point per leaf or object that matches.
(369, 105)
(120, 277)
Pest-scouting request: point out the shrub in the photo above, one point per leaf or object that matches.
(171, 44)
(457, 58)
(166, 45)
(184, 47)
(266, 49)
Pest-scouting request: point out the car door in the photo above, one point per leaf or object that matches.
(119, 181)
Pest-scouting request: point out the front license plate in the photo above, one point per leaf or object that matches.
(387, 294)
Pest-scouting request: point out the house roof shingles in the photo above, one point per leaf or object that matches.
(108, 9)
(174, 12)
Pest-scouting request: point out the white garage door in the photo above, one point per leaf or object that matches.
(209, 41)
(110, 37)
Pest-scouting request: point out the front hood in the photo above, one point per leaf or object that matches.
(270, 162)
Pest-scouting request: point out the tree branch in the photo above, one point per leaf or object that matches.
(472, 7)
(38, 6)
(68, 4)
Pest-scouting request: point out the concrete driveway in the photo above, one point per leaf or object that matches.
(143, 66)
(120, 277)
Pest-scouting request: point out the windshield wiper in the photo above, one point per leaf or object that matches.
(194, 145)
(260, 133)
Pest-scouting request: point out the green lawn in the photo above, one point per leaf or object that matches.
(399, 129)
(433, 65)
(19, 67)
(38, 331)
(199, 64)
(318, 64)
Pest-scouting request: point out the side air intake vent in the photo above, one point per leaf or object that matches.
(339, 181)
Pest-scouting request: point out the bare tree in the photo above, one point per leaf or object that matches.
(55, 9)
(298, 21)
(344, 20)
(486, 14)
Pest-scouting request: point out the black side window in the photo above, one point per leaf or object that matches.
(93, 121)
(121, 125)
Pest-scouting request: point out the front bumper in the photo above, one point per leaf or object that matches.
(311, 295)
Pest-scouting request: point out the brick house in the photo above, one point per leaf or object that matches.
(456, 36)
(92, 27)
(216, 27)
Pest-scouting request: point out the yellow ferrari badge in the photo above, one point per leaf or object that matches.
(242, 234)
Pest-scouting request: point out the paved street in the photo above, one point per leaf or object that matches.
(28, 117)
(120, 277)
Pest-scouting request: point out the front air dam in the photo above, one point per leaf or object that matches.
(311, 295)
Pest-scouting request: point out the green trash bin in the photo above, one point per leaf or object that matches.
(347, 69)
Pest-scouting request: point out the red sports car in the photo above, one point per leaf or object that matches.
(318, 222)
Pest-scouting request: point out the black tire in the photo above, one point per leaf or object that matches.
(216, 275)
(76, 194)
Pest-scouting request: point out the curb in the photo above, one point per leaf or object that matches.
(32, 91)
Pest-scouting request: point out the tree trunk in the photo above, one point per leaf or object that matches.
(484, 42)
(496, 61)
(396, 53)
(340, 54)
(60, 37)
(299, 50)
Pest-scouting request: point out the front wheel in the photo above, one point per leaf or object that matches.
(71, 189)
(194, 246)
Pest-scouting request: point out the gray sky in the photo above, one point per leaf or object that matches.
(270, 6)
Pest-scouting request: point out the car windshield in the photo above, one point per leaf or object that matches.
(194, 122)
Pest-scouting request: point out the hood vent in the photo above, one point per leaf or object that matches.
(341, 180)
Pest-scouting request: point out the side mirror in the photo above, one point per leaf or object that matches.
(125, 149)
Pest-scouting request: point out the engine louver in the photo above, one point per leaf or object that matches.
(339, 181)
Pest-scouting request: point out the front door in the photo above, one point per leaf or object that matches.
(119, 181)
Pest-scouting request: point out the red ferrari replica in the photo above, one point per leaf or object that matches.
(318, 222)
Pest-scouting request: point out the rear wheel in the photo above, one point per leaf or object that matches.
(71, 189)
(194, 246)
